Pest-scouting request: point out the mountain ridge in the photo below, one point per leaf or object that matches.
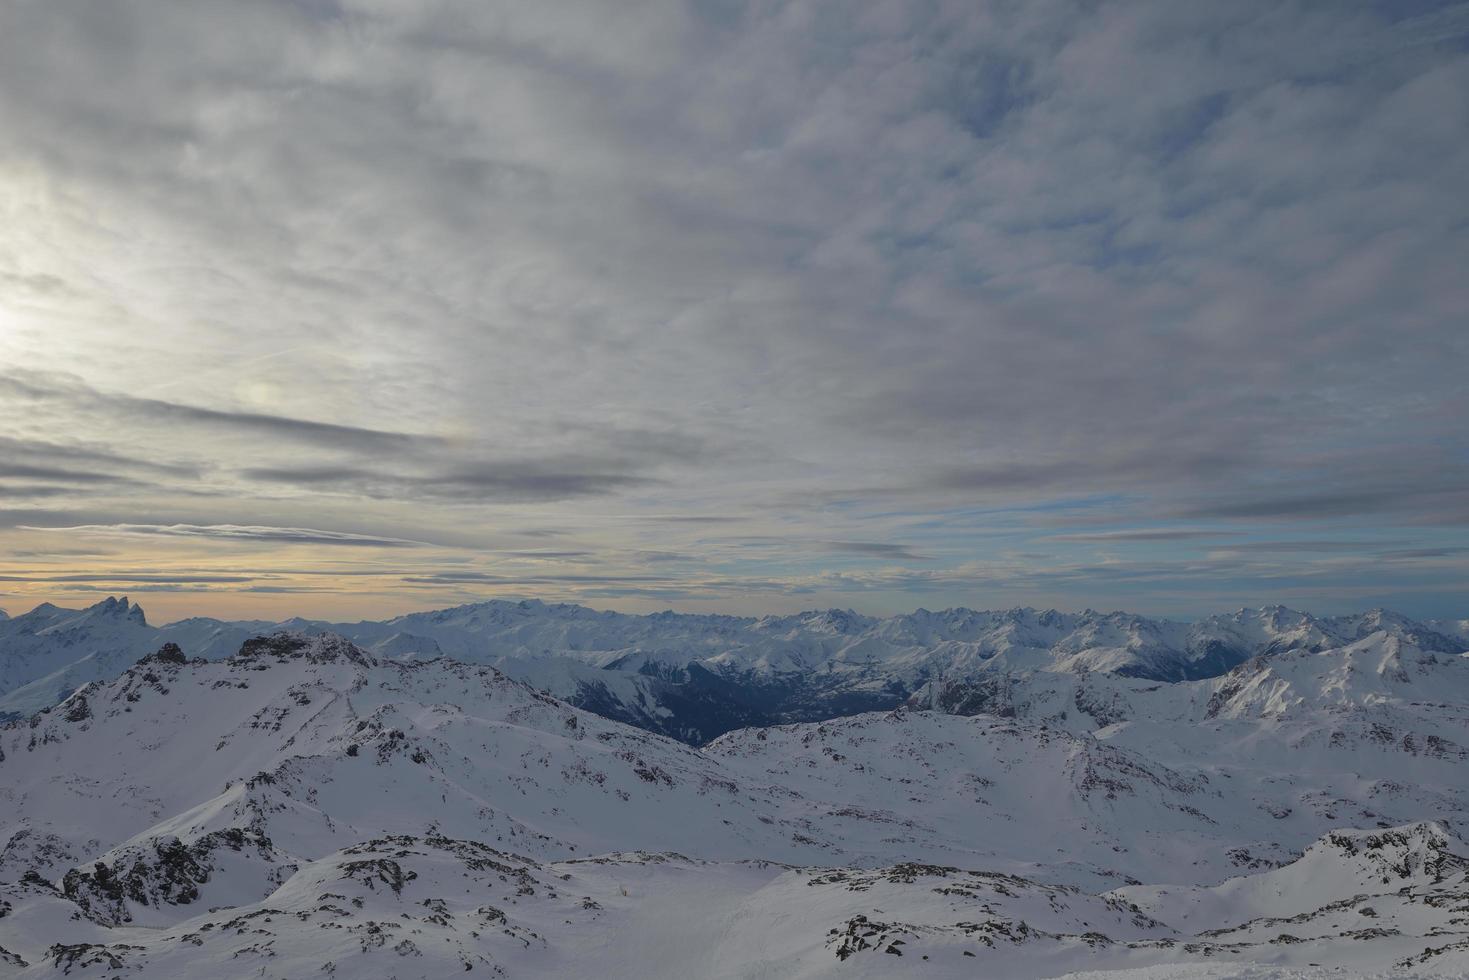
(696, 676)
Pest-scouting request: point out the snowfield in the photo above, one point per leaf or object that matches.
(1259, 795)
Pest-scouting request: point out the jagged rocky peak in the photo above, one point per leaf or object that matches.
(319, 648)
(120, 609)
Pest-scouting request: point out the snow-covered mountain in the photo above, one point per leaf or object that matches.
(695, 677)
(49, 652)
(306, 808)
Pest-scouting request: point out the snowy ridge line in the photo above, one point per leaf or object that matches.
(695, 677)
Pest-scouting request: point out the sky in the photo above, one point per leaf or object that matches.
(345, 308)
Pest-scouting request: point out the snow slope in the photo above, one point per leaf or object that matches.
(428, 907)
(304, 808)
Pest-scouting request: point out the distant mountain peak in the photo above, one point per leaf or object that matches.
(119, 608)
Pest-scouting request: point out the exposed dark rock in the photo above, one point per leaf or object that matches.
(169, 653)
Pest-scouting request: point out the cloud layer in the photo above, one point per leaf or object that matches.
(1146, 304)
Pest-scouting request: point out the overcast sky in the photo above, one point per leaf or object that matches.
(350, 307)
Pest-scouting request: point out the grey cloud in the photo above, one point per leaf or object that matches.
(694, 519)
(826, 269)
(876, 549)
(663, 594)
(26, 471)
(517, 480)
(20, 517)
(1448, 23)
(1142, 534)
(797, 545)
(1287, 546)
(1449, 507)
(1082, 473)
(133, 577)
(34, 490)
(624, 442)
(443, 578)
(187, 586)
(41, 387)
(654, 557)
(35, 283)
(234, 532)
(60, 452)
(154, 587)
(1412, 554)
(427, 473)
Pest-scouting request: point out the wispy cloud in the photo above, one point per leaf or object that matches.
(1142, 534)
(874, 549)
(132, 578)
(80, 397)
(235, 532)
(506, 480)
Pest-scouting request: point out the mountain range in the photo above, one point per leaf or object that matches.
(310, 806)
(695, 677)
